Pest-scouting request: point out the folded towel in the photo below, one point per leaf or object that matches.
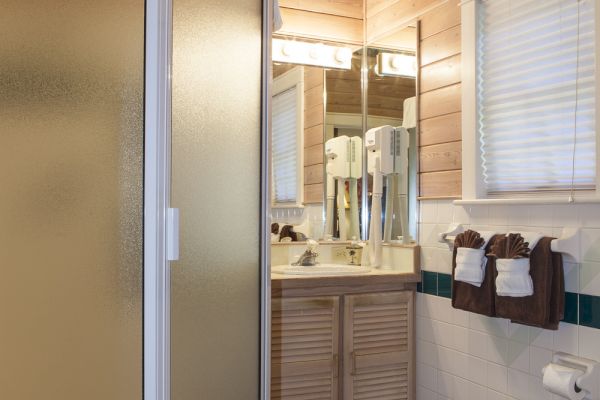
(545, 307)
(470, 265)
(513, 277)
(470, 256)
(469, 297)
(512, 266)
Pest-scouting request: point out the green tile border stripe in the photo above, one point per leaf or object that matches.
(580, 309)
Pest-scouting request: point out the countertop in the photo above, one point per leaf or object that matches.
(376, 278)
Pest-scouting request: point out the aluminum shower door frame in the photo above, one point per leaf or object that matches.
(157, 189)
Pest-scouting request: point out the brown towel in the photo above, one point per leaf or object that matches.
(467, 297)
(545, 308)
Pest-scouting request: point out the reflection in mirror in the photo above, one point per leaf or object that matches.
(316, 140)
(391, 140)
(343, 151)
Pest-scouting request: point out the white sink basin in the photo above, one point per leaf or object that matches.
(320, 269)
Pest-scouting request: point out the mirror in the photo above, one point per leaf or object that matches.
(391, 103)
(323, 105)
(317, 127)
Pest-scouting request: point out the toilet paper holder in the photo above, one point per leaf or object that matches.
(590, 380)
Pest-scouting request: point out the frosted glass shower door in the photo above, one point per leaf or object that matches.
(71, 198)
(215, 290)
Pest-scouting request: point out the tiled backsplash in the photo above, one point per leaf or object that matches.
(465, 356)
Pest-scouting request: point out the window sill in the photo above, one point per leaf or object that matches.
(545, 200)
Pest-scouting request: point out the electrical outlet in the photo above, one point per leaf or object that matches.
(339, 251)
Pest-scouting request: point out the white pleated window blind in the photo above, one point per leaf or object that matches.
(285, 146)
(537, 131)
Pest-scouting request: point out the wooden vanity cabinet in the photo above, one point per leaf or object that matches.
(348, 346)
(304, 348)
(378, 346)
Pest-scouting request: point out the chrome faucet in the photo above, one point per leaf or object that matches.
(309, 257)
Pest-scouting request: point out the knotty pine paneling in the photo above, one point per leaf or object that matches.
(393, 15)
(313, 174)
(313, 193)
(441, 157)
(443, 129)
(314, 25)
(313, 135)
(440, 46)
(313, 97)
(441, 18)
(441, 73)
(313, 155)
(342, 8)
(441, 101)
(441, 184)
(440, 143)
(314, 81)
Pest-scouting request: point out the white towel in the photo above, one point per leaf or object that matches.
(513, 277)
(471, 263)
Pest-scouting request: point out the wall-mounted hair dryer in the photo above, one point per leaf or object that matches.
(344, 162)
(387, 155)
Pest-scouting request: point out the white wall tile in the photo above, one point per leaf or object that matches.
(590, 278)
(518, 384)
(590, 244)
(541, 338)
(474, 357)
(461, 338)
(445, 212)
(476, 391)
(572, 273)
(493, 395)
(427, 353)
(477, 370)
(589, 215)
(536, 389)
(461, 216)
(497, 377)
(425, 394)
(566, 215)
(518, 332)
(538, 359)
(518, 215)
(589, 343)
(518, 355)
(428, 210)
(426, 376)
(492, 326)
(566, 339)
(540, 215)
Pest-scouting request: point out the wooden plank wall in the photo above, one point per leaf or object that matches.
(314, 125)
(333, 20)
(440, 102)
(384, 17)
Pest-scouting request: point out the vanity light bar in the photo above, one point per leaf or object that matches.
(393, 64)
(317, 54)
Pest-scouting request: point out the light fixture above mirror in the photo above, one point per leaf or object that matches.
(315, 54)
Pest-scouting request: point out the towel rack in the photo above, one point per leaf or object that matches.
(567, 243)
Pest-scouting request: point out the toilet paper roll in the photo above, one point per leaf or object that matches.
(560, 380)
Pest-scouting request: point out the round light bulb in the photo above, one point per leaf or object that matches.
(316, 51)
(343, 55)
(287, 49)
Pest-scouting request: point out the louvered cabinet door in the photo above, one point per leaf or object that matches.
(304, 348)
(378, 346)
